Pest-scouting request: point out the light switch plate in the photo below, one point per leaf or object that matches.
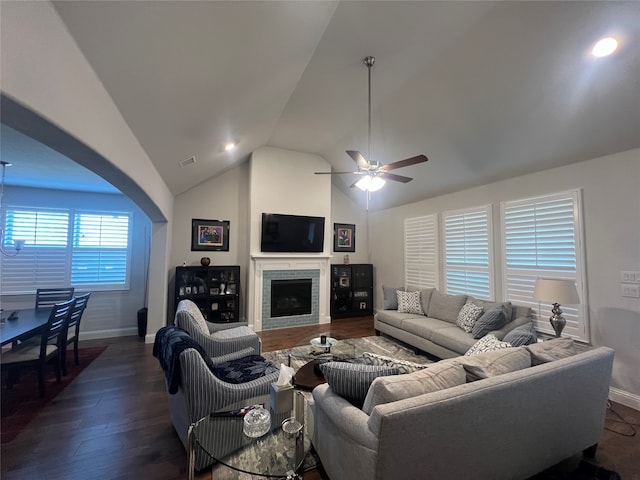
(630, 290)
(629, 277)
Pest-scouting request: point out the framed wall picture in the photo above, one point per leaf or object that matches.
(212, 235)
(344, 237)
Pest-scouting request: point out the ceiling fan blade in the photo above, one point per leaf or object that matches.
(395, 178)
(404, 163)
(359, 159)
(338, 173)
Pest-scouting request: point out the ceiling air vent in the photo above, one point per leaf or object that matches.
(187, 162)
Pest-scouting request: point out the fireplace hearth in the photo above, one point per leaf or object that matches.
(291, 297)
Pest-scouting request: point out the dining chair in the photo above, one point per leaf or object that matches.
(48, 297)
(29, 354)
(73, 330)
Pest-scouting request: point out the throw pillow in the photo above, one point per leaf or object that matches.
(390, 297)
(403, 366)
(446, 307)
(436, 377)
(425, 298)
(489, 305)
(488, 343)
(244, 369)
(491, 364)
(550, 350)
(469, 314)
(494, 319)
(409, 302)
(352, 380)
(522, 335)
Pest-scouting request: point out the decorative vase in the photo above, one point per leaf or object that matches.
(205, 261)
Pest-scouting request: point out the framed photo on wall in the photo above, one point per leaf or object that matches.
(344, 237)
(211, 235)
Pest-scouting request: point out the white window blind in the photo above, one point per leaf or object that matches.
(467, 252)
(543, 238)
(421, 252)
(65, 247)
(100, 249)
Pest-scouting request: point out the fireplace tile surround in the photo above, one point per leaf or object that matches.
(266, 268)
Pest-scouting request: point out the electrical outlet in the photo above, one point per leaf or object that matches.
(629, 277)
(629, 290)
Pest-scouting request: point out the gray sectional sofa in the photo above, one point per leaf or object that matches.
(506, 426)
(435, 331)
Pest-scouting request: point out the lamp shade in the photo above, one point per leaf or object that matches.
(555, 290)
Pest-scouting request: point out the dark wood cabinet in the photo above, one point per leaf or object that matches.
(351, 290)
(214, 289)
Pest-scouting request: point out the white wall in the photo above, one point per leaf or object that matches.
(45, 71)
(611, 203)
(109, 313)
(224, 197)
(343, 210)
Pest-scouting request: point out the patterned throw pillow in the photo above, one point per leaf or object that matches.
(522, 335)
(409, 302)
(403, 366)
(494, 319)
(468, 315)
(352, 380)
(488, 343)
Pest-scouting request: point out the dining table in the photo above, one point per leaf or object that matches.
(22, 324)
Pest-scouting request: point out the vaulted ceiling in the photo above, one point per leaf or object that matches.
(487, 90)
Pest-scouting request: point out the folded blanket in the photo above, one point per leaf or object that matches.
(169, 343)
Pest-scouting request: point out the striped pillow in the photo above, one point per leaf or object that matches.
(352, 380)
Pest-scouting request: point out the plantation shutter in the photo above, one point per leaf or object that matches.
(421, 252)
(100, 249)
(543, 238)
(468, 259)
(42, 263)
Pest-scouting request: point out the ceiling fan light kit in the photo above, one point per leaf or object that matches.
(374, 175)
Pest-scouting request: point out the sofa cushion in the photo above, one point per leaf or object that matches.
(550, 350)
(390, 296)
(409, 302)
(522, 335)
(391, 389)
(425, 298)
(494, 319)
(446, 307)
(395, 318)
(452, 338)
(489, 305)
(425, 327)
(352, 380)
(488, 343)
(498, 362)
(403, 366)
(468, 315)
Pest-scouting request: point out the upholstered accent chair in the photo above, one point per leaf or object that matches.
(217, 339)
(200, 392)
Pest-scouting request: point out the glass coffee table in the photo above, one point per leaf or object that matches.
(274, 454)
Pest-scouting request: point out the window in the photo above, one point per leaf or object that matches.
(543, 238)
(421, 252)
(468, 264)
(66, 247)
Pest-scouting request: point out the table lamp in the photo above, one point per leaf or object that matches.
(556, 291)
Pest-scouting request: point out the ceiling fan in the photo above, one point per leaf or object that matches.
(375, 174)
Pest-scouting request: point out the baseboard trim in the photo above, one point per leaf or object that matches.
(100, 334)
(625, 398)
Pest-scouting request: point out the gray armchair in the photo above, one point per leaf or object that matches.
(216, 339)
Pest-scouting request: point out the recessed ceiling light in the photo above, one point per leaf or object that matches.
(605, 46)
(230, 146)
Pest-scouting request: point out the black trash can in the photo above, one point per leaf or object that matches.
(142, 322)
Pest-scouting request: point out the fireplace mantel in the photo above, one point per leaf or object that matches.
(289, 261)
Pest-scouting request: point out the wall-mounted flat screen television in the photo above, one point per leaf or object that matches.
(291, 233)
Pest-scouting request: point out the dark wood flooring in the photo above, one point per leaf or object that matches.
(113, 421)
